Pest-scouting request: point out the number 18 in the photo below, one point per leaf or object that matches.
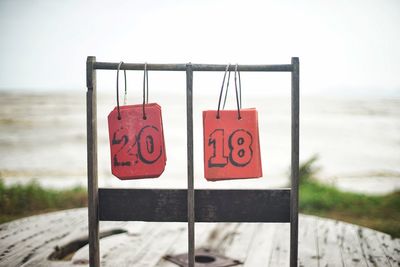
(240, 150)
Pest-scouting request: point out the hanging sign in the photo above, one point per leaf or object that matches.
(231, 141)
(137, 144)
(136, 140)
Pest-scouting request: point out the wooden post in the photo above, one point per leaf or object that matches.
(93, 201)
(190, 190)
(294, 195)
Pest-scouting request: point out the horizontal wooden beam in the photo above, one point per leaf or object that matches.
(195, 67)
(166, 205)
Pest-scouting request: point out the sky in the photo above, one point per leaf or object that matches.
(345, 47)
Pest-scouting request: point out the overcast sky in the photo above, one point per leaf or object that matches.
(344, 46)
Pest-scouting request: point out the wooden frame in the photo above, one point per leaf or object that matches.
(169, 205)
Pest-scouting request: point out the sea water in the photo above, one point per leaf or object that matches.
(357, 140)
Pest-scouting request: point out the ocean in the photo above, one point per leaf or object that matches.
(357, 140)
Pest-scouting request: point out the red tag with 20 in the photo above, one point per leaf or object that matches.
(137, 142)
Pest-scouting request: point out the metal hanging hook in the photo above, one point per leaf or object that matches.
(145, 90)
(238, 92)
(227, 89)
(118, 108)
(222, 89)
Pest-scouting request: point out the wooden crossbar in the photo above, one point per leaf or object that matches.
(170, 205)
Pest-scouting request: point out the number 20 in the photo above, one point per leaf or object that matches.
(147, 152)
(239, 143)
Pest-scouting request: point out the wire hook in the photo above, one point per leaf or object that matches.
(222, 89)
(145, 90)
(238, 91)
(118, 108)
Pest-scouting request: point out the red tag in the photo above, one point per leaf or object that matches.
(231, 145)
(137, 144)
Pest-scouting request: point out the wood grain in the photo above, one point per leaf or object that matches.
(31, 240)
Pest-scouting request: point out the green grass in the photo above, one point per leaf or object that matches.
(377, 212)
(381, 213)
(18, 201)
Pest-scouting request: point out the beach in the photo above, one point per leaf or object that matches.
(357, 140)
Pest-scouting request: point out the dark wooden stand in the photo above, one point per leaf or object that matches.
(190, 205)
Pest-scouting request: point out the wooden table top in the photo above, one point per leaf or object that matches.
(42, 240)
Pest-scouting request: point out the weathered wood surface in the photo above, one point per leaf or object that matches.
(322, 242)
(170, 205)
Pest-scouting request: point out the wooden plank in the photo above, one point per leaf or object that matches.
(110, 244)
(280, 255)
(31, 240)
(180, 245)
(329, 253)
(372, 249)
(260, 250)
(308, 242)
(352, 254)
(221, 236)
(242, 238)
(144, 249)
(228, 239)
(211, 205)
(390, 246)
